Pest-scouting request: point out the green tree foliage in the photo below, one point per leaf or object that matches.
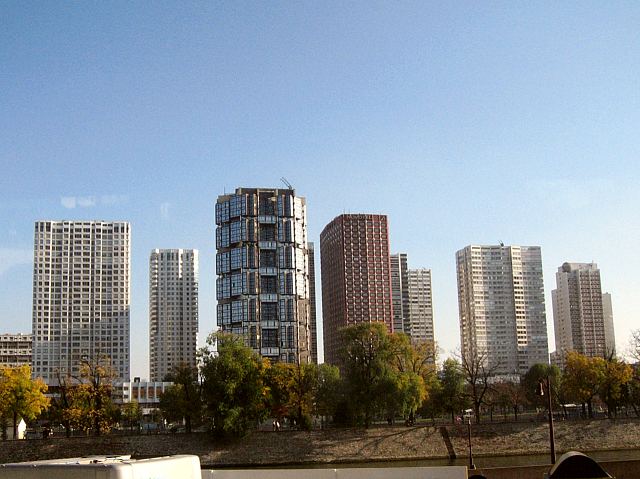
(382, 373)
(415, 365)
(366, 356)
(21, 396)
(182, 400)
(531, 380)
(233, 389)
(131, 413)
(452, 396)
(301, 396)
(328, 391)
(278, 378)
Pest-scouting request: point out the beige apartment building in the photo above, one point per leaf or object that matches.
(81, 297)
(582, 314)
(420, 305)
(15, 349)
(501, 306)
(173, 310)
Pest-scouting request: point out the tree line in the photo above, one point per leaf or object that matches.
(382, 377)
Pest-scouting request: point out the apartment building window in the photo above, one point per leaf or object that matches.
(269, 338)
(269, 311)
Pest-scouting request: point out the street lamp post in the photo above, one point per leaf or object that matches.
(540, 392)
(471, 464)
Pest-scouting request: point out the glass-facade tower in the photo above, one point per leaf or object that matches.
(262, 267)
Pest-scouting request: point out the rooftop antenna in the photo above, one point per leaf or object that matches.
(284, 180)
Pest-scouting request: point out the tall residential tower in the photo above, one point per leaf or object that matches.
(400, 292)
(412, 301)
(262, 264)
(420, 305)
(501, 305)
(581, 321)
(173, 310)
(313, 326)
(81, 281)
(356, 276)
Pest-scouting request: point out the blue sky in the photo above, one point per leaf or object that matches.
(465, 122)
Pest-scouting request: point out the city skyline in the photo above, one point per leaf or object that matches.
(464, 124)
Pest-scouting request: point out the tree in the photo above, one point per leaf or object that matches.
(21, 396)
(415, 357)
(511, 395)
(328, 391)
(233, 390)
(418, 357)
(61, 402)
(366, 355)
(301, 396)
(633, 390)
(617, 374)
(92, 396)
(182, 400)
(634, 344)
(583, 378)
(278, 379)
(452, 395)
(131, 413)
(478, 373)
(433, 405)
(531, 380)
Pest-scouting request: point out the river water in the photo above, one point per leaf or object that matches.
(479, 461)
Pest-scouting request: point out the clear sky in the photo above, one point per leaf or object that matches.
(465, 122)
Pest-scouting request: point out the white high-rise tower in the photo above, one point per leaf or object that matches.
(173, 310)
(501, 304)
(81, 282)
(420, 305)
(583, 320)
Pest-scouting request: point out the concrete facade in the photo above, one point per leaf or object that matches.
(579, 312)
(173, 310)
(15, 349)
(501, 306)
(81, 296)
(145, 393)
(400, 292)
(313, 326)
(420, 305)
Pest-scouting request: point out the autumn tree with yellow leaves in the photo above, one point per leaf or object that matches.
(21, 396)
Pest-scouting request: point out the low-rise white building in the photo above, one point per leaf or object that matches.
(146, 393)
